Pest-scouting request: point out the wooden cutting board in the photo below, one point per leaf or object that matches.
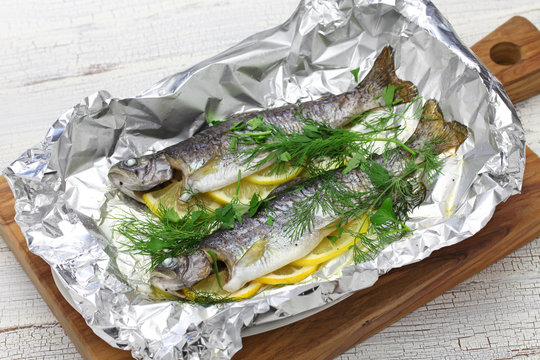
(512, 52)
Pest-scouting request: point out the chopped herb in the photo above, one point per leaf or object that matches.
(285, 156)
(388, 95)
(355, 73)
(333, 238)
(255, 123)
(384, 213)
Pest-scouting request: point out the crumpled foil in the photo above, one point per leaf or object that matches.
(63, 197)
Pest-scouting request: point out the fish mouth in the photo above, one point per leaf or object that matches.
(123, 180)
(166, 280)
(181, 272)
(117, 179)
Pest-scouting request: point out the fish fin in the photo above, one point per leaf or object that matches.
(443, 135)
(383, 73)
(254, 253)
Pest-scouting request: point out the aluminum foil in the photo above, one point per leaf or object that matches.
(64, 201)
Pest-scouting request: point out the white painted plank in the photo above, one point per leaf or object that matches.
(493, 315)
(66, 51)
(54, 53)
(14, 281)
(43, 341)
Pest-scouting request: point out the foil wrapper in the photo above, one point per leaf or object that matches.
(64, 201)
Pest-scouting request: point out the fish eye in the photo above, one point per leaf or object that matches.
(130, 162)
(169, 262)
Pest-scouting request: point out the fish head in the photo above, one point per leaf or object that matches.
(180, 272)
(141, 174)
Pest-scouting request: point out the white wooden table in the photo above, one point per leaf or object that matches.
(53, 53)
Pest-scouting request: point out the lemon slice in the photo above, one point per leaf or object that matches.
(327, 249)
(245, 193)
(289, 274)
(210, 286)
(168, 198)
(266, 177)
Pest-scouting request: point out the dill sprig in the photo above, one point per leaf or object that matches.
(261, 144)
(386, 204)
(165, 234)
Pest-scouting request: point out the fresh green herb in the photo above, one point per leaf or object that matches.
(168, 235)
(356, 159)
(388, 95)
(198, 297)
(384, 213)
(238, 126)
(256, 123)
(256, 202)
(332, 238)
(317, 143)
(355, 73)
(285, 156)
(385, 206)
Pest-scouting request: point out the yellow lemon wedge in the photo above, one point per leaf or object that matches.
(327, 249)
(210, 287)
(267, 177)
(289, 274)
(168, 199)
(245, 193)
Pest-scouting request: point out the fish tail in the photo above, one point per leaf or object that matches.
(433, 129)
(383, 73)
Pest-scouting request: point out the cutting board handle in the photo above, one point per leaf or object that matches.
(512, 53)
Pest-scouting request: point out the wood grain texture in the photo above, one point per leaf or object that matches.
(512, 53)
(329, 333)
(49, 50)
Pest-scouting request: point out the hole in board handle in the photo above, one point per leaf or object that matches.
(505, 53)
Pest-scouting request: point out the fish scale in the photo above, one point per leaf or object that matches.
(254, 248)
(205, 162)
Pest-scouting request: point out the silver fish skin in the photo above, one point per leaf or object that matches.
(204, 162)
(254, 248)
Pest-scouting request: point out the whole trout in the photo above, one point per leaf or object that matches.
(254, 248)
(204, 162)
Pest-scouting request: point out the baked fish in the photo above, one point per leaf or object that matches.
(205, 161)
(254, 248)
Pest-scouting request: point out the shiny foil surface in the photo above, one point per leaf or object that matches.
(64, 202)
